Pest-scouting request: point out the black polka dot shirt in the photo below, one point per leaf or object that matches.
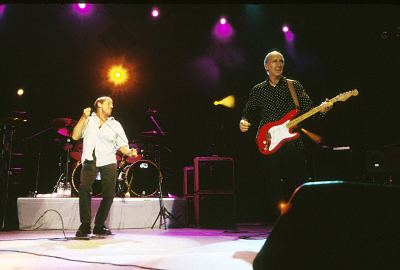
(271, 103)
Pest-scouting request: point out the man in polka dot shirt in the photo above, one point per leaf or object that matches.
(271, 100)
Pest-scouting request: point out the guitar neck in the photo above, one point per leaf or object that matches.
(306, 115)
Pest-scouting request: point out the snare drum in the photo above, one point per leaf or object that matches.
(143, 178)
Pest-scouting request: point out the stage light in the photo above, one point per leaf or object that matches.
(283, 207)
(289, 35)
(228, 101)
(2, 8)
(155, 12)
(117, 75)
(82, 8)
(223, 30)
(20, 92)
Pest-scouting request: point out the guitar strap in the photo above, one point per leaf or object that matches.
(311, 135)
(293, 93)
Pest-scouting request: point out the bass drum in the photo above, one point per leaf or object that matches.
(143, 178)
(76, 180)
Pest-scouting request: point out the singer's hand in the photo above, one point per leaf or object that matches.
(132, 152)
(86, 112)
(77, 131)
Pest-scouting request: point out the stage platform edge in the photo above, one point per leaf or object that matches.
(125, 213)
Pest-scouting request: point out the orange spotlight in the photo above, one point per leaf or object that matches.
(228, 101)
(283, 207)
(118, 75)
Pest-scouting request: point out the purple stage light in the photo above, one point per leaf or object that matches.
(82, 8)
(2, 8)
(289, 36)
(285, 28)
(223, 30)
(155, 12)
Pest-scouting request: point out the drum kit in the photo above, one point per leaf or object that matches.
(138, 176)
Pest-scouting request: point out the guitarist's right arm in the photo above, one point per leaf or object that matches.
(251, 108)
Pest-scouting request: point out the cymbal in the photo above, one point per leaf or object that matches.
(64, 132)
(64, 122)
(150, 133)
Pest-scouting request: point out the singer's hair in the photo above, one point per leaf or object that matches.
(100, 100)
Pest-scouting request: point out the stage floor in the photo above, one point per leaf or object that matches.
(170, 249)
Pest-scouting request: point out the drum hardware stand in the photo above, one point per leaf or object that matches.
(64, 177)
(121, 181)
(37, 177)
(164, 213)
(35, 192)
(152, 113)
(5, 199)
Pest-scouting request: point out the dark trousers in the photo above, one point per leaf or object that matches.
(284, 171)
(108, 180)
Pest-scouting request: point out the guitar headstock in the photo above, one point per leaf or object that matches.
(346, 95)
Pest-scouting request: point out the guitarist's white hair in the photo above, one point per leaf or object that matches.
(269, 54)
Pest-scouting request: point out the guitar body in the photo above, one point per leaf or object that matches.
(271, 136)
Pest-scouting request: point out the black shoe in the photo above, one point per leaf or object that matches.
(84, 230)
(101, 230)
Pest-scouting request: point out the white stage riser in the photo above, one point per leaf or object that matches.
(125, 213)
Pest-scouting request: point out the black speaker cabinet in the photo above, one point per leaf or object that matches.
(215, 210)
(188, 181)
(213, 174)
(191, 220)
(336, 225)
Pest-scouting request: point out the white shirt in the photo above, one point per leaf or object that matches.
(105, 140)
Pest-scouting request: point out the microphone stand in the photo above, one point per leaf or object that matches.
(163, 213)
(151, 113)
(37, 177)
(157, 125)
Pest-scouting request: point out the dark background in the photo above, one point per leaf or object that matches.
(59, 59)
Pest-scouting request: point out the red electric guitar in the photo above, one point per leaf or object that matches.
(271, 136)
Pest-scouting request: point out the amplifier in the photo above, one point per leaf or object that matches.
(213, 175)
(188, 181)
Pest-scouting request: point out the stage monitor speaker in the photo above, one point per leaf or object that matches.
(336, 225)
(215, 210)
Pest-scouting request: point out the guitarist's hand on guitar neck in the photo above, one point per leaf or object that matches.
(244, 125)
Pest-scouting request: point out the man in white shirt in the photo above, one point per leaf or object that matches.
(102, 137)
